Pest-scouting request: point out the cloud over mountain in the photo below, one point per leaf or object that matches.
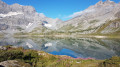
(81, 13)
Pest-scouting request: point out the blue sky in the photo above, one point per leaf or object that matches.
(57, 8)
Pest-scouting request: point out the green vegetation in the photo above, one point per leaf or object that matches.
(21, 33)
(67, 27)
(1, 35)
(43, 59)
(93, 21)
(112, 62)
(19, 28)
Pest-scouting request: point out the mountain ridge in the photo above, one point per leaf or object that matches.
(101, 18)
(94, 17)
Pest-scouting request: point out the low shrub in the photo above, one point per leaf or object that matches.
(112, 62)
(31, 56)
(10, 55)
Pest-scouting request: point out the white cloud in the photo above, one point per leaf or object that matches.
(42, 15)
(80, 13)
(76, 14)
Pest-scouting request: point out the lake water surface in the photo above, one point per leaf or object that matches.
(77, 48)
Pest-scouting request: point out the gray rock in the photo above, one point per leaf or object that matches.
(117, 14)
(3, 48)
(14, 63)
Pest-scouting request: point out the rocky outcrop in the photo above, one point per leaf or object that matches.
(112, 27)
(3, 27)
(117, 14)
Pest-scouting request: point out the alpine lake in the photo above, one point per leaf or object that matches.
(97, 48)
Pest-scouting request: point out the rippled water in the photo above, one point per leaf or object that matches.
(82, 47)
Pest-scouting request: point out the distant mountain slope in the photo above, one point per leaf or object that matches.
(101, 18)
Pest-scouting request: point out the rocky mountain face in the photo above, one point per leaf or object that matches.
(99, 18)
(17, 18)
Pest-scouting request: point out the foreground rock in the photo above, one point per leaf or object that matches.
(3, 48)
(14, 63)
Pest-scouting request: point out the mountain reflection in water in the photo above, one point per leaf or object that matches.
(82, 47)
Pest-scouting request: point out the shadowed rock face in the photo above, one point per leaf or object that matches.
(117, 14)
(3, 27)
(3, 7)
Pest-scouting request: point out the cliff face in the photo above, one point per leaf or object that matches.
(20, 18)
(113, 27)
(117, 14)
(16, 17)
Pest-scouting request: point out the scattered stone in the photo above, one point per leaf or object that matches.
(14, 47)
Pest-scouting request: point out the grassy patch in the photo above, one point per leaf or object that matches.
(112, 62)
(93, 21)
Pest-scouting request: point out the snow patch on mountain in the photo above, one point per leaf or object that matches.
(48, 25)
(11, 14)
(48, 44)
(30, 24)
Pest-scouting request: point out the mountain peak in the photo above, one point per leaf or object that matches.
(1, 1)
(106, 3)
(100, 2)
(16, 4)
(109, 2)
